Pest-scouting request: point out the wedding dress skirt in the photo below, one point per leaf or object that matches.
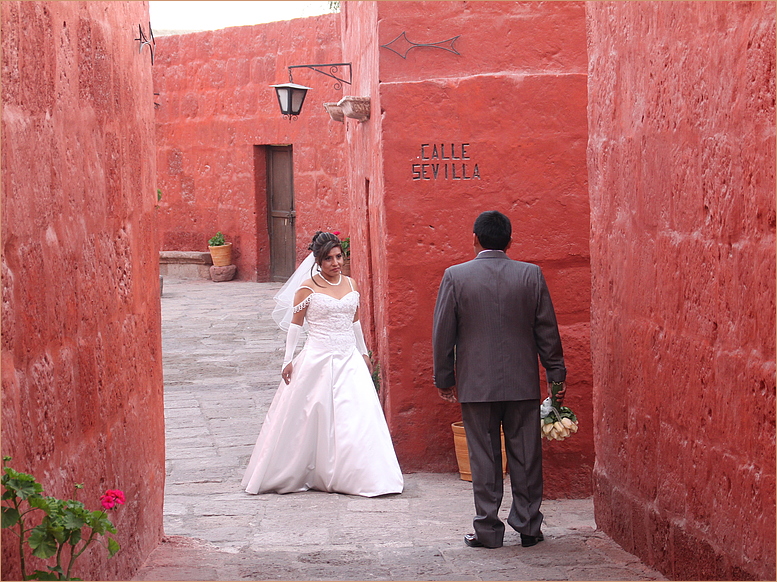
(325, 430)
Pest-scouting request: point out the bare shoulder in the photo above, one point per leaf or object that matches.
(305, 289)
(354, 286)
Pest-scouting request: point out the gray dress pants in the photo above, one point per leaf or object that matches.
(520, 421)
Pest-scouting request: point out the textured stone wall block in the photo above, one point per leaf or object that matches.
(81, 351)
(681, 174)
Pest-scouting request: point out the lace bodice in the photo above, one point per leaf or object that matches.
(330, 321)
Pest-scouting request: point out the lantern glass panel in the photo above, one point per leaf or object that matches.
(297, 97)
(283, 99)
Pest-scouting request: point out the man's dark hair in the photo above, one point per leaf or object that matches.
(493, 230)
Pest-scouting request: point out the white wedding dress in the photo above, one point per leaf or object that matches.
(325, 430)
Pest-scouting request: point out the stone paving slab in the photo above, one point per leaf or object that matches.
(222, 354)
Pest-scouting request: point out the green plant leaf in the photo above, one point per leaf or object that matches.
(42, 543)
(41, 575)
(24, 487)
(10, 517)
(71, 520)
(113, 547)
(39, 503)
(99, 522)
(59, 533)
(75, 537)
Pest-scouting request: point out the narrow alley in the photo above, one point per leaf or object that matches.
(222, 354)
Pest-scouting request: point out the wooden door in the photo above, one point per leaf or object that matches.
(280, 212)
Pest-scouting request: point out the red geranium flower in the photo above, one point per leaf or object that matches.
(112, 498)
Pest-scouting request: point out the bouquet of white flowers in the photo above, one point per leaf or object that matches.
(558, 422)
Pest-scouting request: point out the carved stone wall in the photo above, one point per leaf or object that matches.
(681, 165)
(81, 327)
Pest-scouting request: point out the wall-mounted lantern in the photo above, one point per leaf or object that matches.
(291, 96)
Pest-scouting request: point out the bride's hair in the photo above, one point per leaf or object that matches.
(323, 243)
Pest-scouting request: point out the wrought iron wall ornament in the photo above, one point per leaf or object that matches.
(144, 41)
(333, 72)
(402, 45)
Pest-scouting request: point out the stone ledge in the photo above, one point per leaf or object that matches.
(184, 258)
(185, 264)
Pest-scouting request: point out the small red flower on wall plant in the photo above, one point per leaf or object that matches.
(112, 498)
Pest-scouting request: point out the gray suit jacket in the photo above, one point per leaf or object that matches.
(493, 318)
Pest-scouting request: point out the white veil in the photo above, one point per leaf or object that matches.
(284, 298)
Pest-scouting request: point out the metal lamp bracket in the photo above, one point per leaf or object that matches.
(333, 71)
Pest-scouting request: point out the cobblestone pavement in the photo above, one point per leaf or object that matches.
(222, 354)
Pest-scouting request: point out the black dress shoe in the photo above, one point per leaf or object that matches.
(472, 541)
(529, 541)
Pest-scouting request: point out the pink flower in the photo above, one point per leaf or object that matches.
(336, 232)
(112, 497)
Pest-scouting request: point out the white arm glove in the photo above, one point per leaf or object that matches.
(292, 337)
(360, 345)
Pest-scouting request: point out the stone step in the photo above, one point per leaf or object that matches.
(185, 264)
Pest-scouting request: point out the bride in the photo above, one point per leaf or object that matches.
(325, 428)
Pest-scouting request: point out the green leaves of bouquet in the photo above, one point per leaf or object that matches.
(66, 530)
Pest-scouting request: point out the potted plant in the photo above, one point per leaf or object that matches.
(220, 250)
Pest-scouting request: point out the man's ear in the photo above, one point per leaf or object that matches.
(476, 243)
(509, 243)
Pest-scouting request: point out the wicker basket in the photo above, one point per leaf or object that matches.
(462, 452)
(222, 255)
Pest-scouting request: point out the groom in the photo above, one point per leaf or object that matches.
(493, 318)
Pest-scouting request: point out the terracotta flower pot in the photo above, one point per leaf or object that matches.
(462, 452)
(221, 255)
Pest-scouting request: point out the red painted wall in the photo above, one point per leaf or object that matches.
(81, 344)
(216, 105)
(365, 179)
(516, 94)
(681, 165)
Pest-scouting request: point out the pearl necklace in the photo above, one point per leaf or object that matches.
(340, 280)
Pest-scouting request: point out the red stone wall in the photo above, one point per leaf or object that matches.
(681, 166)
(365, 179)
(216, 105)
(81, 345)
(516, 94)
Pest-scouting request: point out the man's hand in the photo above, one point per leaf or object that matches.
(449, 394)
(560, 394)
